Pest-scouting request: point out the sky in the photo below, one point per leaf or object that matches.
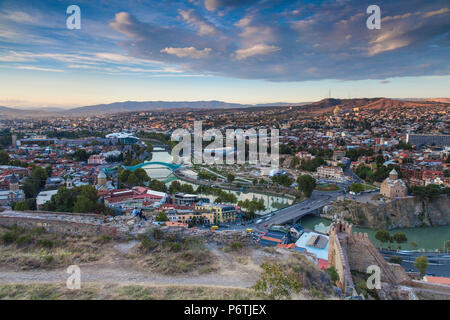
(242, 51)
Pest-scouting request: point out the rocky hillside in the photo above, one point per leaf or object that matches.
(400, 213)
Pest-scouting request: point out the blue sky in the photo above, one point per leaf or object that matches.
(247, 51)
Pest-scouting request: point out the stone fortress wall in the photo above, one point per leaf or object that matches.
(349, 250)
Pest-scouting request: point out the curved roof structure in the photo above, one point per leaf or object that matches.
(171, 166)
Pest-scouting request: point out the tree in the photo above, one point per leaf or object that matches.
(83, 205)
(356, 187)
(431, 191)
(414, 244)
(123, 176)
(49, 171)
(80, 155)
(400, 238)
(175, 187)
(294, 162)
(395, 259)
(230, 177)
(421, 264)
(332, 272)
(4, 157)
(20, 206)
(283, 180)
(35, 182)
(141, 174)
(83, 199)
(206, 175)
(132, 180)
(382, 236)
(161, 217)
(157, 185)
(276, 283)
(307, 184)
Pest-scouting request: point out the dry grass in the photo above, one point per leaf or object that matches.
(294, 277)
(172, 254)
(34, 248)
(121, 292)
(182, 293)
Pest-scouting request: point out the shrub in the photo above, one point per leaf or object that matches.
(37, 231)
(46, 243)
(395, 259)
(332, 272)
(23, 240)
(157, 234)
(235, 246)
(48, 258)
(146, 242)
(103, 239)
(9, 237)
(175, 246)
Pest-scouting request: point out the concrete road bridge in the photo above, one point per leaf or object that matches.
(292, 214)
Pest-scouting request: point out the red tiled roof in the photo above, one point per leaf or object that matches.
(439, 280)
(322, 263)
(270, 239)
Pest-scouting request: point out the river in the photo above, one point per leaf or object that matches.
(162, 173)
(427, 238)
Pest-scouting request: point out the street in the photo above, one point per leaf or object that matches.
(439, 263)
(298, 210)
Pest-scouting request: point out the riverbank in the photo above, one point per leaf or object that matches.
(409, 212)
(427, 238)
(247, 189)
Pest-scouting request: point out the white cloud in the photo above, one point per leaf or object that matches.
(190, 52)
(436, 12)
(255, 50)
(38, 69)
(191, 17)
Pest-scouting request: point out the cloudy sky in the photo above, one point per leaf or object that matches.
(247, 51)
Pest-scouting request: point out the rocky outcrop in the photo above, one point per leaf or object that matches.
(399, 213)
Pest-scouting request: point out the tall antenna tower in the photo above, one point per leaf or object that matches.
(329, 93)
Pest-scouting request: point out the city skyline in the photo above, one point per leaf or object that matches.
(246, 52)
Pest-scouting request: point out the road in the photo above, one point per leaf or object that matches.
(439, 263)
(317, 200)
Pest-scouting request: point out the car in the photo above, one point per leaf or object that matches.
(265, 224)
(259, 221)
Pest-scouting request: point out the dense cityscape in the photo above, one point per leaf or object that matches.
(225, 150)
(347, 152)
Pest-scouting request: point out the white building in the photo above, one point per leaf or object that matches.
(43, 197)
(330, 173)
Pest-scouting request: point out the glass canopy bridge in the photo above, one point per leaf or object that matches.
(153, 164)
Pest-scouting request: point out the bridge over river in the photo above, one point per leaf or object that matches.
(170, 166)
(292, 214)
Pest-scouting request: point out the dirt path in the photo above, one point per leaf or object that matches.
(117, 269)
(123, 276)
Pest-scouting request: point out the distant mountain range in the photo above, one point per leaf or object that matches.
(129, 106)
(324, 105)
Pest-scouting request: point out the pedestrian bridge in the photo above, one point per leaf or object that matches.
(170, 166)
